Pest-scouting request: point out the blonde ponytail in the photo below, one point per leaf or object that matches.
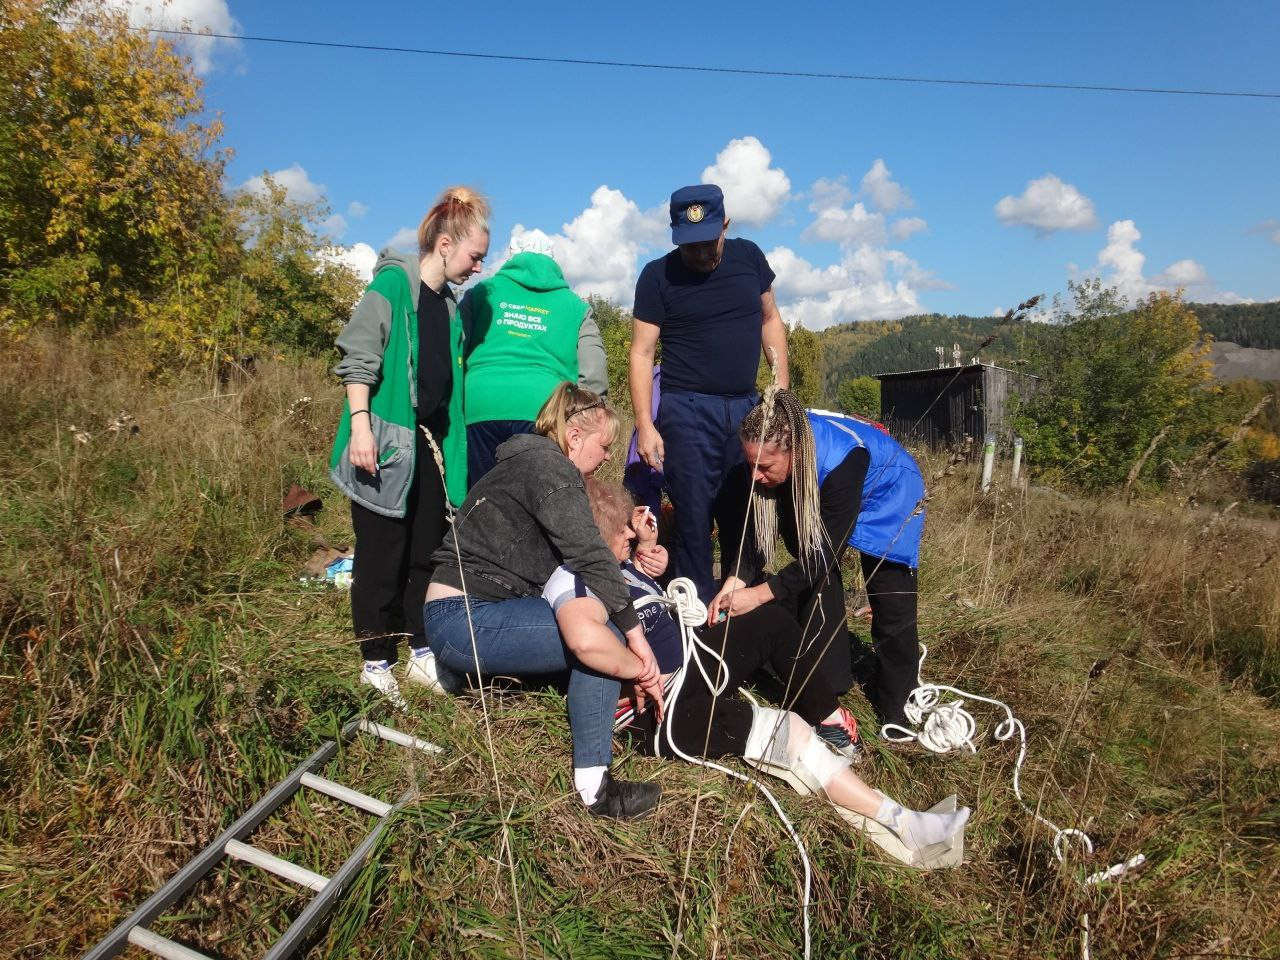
(568, 402)
(458, 212)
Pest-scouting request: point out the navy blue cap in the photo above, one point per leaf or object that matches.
(697, 214)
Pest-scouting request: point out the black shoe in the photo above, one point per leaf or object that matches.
(624, 799)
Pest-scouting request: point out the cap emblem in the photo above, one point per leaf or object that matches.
(695, 213)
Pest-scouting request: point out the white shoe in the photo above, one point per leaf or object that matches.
(421, 669)
(379, 676)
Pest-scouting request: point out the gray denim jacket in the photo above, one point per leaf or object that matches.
(524, 518)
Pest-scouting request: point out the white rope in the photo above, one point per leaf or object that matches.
(943, 727)
(682, 597)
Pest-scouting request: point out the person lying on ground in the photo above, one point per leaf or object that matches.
(768, 636)
(485, 615)
(700, 723)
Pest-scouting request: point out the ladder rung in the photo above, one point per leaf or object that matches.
(346, 795)
(161, 947)
(281, 868)
(395, 736)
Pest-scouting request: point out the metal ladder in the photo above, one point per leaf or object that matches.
(231, 844)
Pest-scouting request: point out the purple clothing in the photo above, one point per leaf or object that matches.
(644, 482)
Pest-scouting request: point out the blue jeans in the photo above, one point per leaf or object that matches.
(519, 638)
(700, 437)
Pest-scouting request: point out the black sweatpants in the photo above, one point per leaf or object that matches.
(766, 635)
(393, 562)
(891, 591)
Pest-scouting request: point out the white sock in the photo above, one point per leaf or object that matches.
(377, 665)
(919, 829)
(587, 781)
(419, 652)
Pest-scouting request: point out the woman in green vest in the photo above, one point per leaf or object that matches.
(526, 333)
(402, 369)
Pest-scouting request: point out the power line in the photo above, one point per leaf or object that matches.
(737, 71)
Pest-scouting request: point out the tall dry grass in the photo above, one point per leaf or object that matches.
(162, 665)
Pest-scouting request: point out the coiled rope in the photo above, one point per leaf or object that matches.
(943, 727)
(682, 598)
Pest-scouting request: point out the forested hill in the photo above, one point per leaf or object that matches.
(1244, 324)
(882, 346)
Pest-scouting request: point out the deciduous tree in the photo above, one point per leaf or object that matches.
(1119, 382)
(860, 396)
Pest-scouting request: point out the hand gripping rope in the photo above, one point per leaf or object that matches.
(943, 727)
(682, 598)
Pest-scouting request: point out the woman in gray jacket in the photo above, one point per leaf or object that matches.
(400, 351)
(485, 614)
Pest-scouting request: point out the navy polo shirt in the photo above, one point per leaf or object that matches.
(709, 323)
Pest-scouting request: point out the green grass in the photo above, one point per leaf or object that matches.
(163, 666)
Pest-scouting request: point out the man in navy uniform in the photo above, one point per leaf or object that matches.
(710, 303)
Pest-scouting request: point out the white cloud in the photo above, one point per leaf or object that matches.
(853, 225)
(826, 193)
(868, 283)
(199, 15)
(1120, 265)
(406, 238)
(360, 257)
(1270, 227)
(600, 248)
(1184, 273)
(754, 191)
(885, 194)
(904, 228)
(1047, 205)
(297, 185)
(356, 209)
(1121, 262)
(335, 226)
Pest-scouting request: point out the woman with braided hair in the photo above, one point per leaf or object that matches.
(825, 482)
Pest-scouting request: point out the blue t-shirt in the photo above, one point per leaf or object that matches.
(660, 630)
(709, 323)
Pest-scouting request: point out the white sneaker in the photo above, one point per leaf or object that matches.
(421, 669)
(377, 674)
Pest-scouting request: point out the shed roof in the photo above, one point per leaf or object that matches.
(941, 371)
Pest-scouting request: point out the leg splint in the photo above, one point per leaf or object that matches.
(807, 768)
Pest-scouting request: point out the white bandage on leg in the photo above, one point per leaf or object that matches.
(782, 744)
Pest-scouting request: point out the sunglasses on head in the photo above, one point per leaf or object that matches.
(597, 404)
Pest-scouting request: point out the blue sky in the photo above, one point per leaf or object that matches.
(871, 199)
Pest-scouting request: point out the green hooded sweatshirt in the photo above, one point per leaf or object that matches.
(379, 347)
(522, 330)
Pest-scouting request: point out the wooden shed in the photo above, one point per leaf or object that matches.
(943, 406)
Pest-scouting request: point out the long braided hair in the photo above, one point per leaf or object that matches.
(779, 421)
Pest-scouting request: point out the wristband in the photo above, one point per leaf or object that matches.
(354, 412)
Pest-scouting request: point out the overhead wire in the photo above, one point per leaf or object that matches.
(702, 68)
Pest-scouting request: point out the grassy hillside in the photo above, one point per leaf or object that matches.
(163, 665)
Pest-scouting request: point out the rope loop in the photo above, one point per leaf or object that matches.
(943, 727)
(684, 597)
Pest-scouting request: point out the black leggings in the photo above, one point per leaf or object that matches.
(393, 562)
(709, 726)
